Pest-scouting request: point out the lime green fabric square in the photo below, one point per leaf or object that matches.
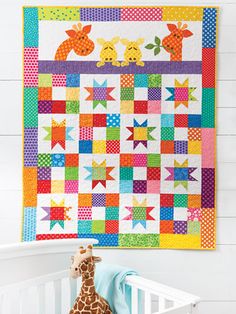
(45, 80)
(154, 80)
(167, 134)
(126, 173)
(139, 213)
(98, 226)
(153, 160)
(44, 160)
(59, 13)
(72, 107)
(113, 134)
(127, 93)
(194, 227)
(139, 240)
(71, 173)
(99, 173)
(181, 200)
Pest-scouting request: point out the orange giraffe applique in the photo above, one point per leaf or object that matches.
(173, 42)
(78, 41)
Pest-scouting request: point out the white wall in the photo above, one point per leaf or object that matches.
(209, 274)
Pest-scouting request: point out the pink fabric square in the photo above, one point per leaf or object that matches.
(194, 214)
(71, 186)
(181, 93)
(59, 80)
(31, 67)
(208, 148)
(154, 106)
(84, 213)
(140, 160)
(153, 187)
(141, 14)
(86, 133)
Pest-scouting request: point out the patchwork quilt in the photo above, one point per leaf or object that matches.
(119, 125)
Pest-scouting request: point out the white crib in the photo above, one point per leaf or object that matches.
(33, 280)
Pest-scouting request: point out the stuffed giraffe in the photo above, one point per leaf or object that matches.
(88, 301)
(108, 52)
(173, 42)
(132, 52)
(78, 41)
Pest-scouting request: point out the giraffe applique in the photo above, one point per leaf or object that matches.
(78, 41)
(132, 52)
(108, 53)
(173, 43)
(88, 301)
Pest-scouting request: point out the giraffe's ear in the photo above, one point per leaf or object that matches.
(187, 33)
(124, 41)
(171, 27)
(87, 29)
(71, 33)
(97, 259)
(140, 41)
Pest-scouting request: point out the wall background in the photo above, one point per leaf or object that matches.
(209, 274)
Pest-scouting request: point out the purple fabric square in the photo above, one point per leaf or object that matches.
(208, 188)
(180, 227)
(140, 186)
(99, 200)
(154, 93)
(30, 147)
(44, 173)
(44, 106)
(181, 147)
(99, 93)
(100, 14)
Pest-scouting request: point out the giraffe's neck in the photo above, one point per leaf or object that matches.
(176, 56)
(88, 284)
(63, 50)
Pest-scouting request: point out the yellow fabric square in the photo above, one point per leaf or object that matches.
(180, 241)
(182, 13)
(140, 134)
(58, 186)
(99, 147)
(127, 106)
(195, 147)
(72, 93)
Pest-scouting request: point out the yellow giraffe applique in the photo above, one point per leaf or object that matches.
(132, 52)
(108, 52)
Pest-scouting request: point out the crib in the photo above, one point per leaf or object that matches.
(34, 279)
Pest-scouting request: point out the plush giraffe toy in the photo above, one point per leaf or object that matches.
(88, 301)
(173, 43)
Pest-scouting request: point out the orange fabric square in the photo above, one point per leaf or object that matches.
(30, 187)
(112, 200)
(166, 226)
(72, 160)
(167, 147)
(194, 201)
(127, 80)
(194, 134)
(86, 120)
(112, 226)
(126, 160)
(45, 93)
(85, 200)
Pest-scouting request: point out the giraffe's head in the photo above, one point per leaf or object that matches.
(173, 42)
(83, 263)
(82, 44)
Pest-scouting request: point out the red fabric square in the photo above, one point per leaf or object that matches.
(208, 67)
(57, 213)
(72, 160)
(140, 106)
(167, 147)
(181, 120)
(112, 226)
(113, 147)
(167, 200)
(153, 173)
(58, 106)
(44, 186)
(100, 120)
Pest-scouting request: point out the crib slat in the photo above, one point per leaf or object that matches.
(41, 298)
(57, 296)
(134, 295)
(147, 303)
(162, 303)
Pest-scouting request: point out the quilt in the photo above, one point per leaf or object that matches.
(119, 125)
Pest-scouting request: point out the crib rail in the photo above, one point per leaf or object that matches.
(34, 294)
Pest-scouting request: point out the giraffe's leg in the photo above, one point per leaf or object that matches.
(124, 63)
(100, 64)
(140, 63)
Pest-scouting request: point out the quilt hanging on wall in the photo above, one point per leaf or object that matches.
(119, 125)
